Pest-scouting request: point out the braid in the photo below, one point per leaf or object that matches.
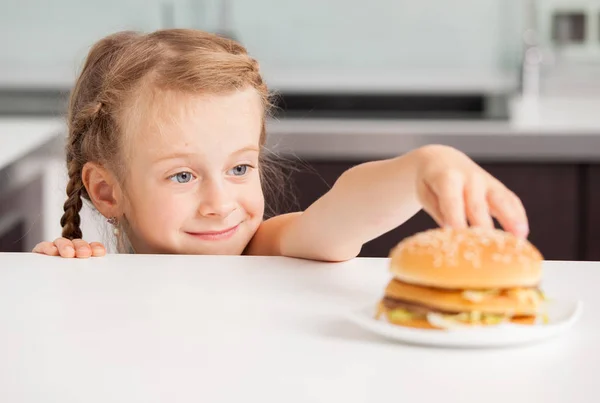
(81, 125)
(70, 220)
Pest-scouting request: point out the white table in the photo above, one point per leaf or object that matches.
(232, 329)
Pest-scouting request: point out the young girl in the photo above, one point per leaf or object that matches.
(166, 139)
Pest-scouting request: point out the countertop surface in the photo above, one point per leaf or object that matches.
(127, 328)
(484, 140)
(370, 139)
(21, 136)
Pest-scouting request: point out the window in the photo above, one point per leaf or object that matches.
(568, 27)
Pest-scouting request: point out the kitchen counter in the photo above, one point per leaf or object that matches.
(484, 140)
(19, 137)
(367, 139)
(147, 328)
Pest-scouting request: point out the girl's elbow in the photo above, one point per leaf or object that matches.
(341, 255)
(323, 254)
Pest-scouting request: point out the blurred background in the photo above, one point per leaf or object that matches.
(512, 83)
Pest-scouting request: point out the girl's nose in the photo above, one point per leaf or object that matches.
(216, 201)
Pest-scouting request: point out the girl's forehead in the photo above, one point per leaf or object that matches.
(209, 123)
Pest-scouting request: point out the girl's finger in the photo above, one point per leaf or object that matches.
(98, 249)
(478, 212)
(449, 189)
(39, 248)
(509, 211)
(431, 206)
(82, 248)
(65, 247)
(50, 249)
(46, 248)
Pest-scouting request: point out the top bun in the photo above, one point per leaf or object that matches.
(471, 258)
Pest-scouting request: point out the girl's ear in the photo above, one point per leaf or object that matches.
(103, 188)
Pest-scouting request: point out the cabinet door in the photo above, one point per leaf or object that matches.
(548, 191)
(12, 234)
(591, 222)
(551, 196)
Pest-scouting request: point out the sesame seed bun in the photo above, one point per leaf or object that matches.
(471, 258)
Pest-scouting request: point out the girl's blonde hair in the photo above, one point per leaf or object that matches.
(116, 69)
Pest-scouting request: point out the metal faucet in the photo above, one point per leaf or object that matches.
(532, 54)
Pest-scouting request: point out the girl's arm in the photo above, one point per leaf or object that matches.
(373, 198)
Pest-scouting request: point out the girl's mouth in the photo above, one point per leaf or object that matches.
(217, 235)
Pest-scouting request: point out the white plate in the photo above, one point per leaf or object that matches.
(562, 314)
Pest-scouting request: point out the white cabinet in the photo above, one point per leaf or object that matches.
(45, 42)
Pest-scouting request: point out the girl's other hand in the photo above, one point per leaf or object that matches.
(66, 248)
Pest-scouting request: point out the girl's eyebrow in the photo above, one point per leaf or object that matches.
(247, 148)
(177, 155)
(187, 155)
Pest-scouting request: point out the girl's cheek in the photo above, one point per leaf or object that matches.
(164, 206)
(253, 200)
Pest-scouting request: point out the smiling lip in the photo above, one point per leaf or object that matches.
(215, 235)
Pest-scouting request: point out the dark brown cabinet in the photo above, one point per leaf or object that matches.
(551, 196)
(591, 222)
(12, 234)
(550, 193)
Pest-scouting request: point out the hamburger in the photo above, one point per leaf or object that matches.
(463, 277)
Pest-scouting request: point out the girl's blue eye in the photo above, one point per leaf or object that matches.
(182, 177)
(239, 170)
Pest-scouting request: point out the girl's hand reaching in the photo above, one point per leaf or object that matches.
(456, 192)
(66, 248)
(375, 197)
